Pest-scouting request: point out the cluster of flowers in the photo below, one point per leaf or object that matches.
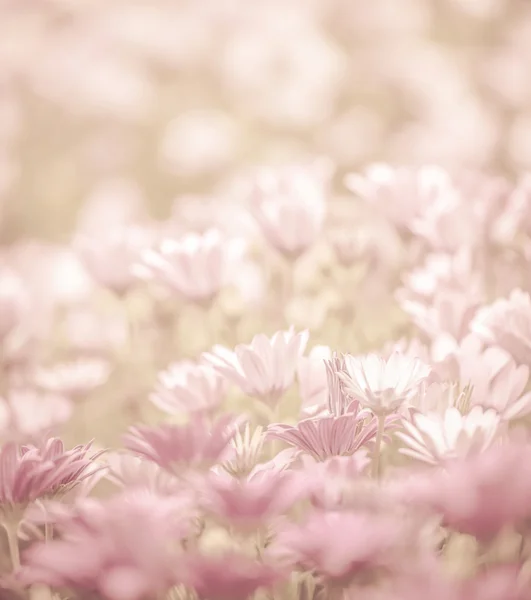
(380, 466)
(144, 92)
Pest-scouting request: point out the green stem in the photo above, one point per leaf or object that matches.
(377, 447)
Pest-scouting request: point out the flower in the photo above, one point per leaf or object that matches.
(338, 400)
(507, 323)
(312, 378)
(31, 472)
(334, 482)
(327, 436)
(493, 376)
(28, 413)
(132, 472)
(197, 444)
(481, 494)
(448, 312)
(383, 385)
(498, 582)
(289, 208)
(125, 548)
(189, 387)
(194, 265)
(263, 369)
(342, 546)
(73, 379)
(433, 438)
(109, 258)
(245, 451)
(230, 576)
(400, 193)
(251, 503)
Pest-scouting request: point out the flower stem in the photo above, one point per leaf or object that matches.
(377, 447)
(12, 542)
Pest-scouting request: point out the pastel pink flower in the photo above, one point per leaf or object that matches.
(245, 451)
(312, 379)
(31, 472)
(75, 379)
(330, 435)
(198, 444)
(28, 414)
(109, 257)
(433, 438)
(333, 482)
(498, 582)
(289, 207)
(134, 473)
(349, 248)
(507, 324)
(189, 387)
(495, 379)
(400, 194)
(341, 546)
(339, 401)
(265, 368)
(483, 493)
(442, 271)
(383, 385)
(125, 548)
(447, 312)
(251, 503)
(230, 576)
(194, 265)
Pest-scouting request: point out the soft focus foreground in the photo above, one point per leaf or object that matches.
(243, 354)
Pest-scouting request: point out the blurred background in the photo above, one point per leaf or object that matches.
(139, 103)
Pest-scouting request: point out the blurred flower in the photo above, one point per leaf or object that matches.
(348, 245)
(110, 256)
(383, 385)
(135, 473)
(248, 504)
(189, 387)
(116, 202)
(197, 444)
(443, 295)
(73, 379)
(199, 142)
(496, 381)
(499, 582)
(400, 194)
(326, 436)
(194, 265)
(480, 494)
(28, 413)
(263, 369)
(284, 72)
(32, 472)
(125, 548)
(507, 323)
(433, 438)
(229, 576)
(334, 482)
(289, 208)
(342, 547)
(313, 383)
(89, 332)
